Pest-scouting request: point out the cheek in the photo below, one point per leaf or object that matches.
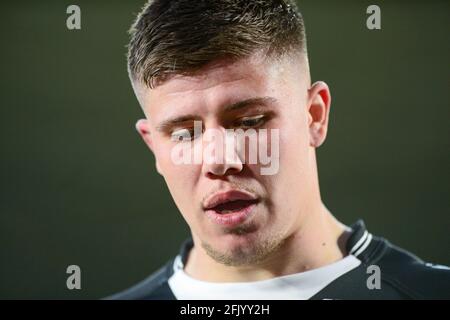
(181, 181)
(179, 177)
(183, 175)
(293, 158)
(295, 135)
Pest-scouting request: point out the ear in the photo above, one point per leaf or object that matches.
(143, 128)
(319, 101)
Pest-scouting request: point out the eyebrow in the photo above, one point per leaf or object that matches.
(260, 101)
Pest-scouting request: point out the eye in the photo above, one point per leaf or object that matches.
(252, 122)
(184, 134)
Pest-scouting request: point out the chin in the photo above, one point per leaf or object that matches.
(240, 249)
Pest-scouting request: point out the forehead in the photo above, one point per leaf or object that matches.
(220, 83)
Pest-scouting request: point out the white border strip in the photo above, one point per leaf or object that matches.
(369, 238)
(360, 242)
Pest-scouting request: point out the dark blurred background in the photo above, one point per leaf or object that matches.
(78, 186)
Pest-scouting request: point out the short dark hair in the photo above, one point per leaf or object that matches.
(181, 36)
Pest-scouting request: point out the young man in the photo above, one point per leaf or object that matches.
(207, 73)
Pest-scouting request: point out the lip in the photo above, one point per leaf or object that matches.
(233, 218)
(227, 196)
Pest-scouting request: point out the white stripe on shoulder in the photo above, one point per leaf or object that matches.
(360, 242)
(364, 246)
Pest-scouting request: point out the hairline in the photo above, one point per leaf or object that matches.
(296, 54)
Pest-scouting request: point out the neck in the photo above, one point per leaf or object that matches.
(318, 242)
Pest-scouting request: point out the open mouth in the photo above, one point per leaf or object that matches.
(233, 206)
(230, 208)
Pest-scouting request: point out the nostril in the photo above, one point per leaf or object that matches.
(223, 170)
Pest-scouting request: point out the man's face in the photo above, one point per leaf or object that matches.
(277, 95)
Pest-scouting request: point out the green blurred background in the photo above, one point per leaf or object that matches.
(78, 186)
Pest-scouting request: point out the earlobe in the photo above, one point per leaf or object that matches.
(158, 168)
(318, 112)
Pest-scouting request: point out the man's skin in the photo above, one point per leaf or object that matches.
(290, 230)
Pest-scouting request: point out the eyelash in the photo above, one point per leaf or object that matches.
(260, 120)
(186, 138)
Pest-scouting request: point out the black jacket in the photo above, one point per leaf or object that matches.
(403, 275)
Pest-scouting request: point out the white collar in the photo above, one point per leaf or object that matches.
(297, 286)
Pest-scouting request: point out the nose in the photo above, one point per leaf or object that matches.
(221, 154)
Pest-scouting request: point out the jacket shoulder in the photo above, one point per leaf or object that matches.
(401, 275)
(154, 287)
(410, 274)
